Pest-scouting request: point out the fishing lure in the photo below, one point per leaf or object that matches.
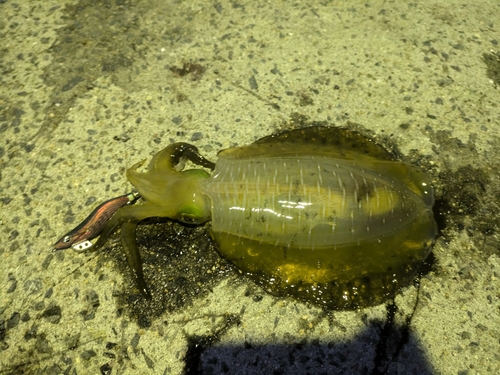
(79, 237)
(320, 214)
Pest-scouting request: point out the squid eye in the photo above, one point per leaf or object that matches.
(67, 239)
(188, 219)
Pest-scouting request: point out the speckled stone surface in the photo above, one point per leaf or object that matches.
(89, 88)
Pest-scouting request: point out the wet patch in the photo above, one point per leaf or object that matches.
(85, 50)
(492, 61)
(192, 70)
(467, 198)
(180, 265)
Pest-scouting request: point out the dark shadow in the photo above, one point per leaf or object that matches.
(382, 348)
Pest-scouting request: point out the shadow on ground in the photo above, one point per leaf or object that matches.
(379, 349)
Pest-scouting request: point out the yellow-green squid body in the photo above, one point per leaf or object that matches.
(321, 214)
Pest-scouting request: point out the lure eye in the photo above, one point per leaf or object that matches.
(67, 239)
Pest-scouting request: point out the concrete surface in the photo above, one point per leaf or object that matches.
(87, 88)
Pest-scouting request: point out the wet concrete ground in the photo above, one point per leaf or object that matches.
(89, 88)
